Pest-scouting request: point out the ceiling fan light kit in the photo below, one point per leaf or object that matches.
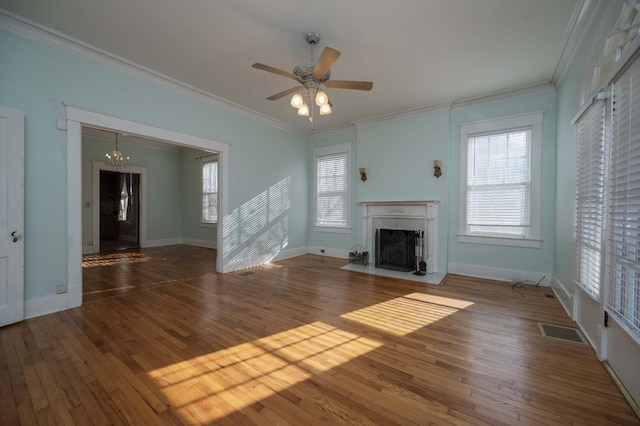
(311, 76)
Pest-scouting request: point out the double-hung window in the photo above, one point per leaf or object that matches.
(209, 190)
(590, 172)
(500, 181)
(332, 199)
(623, 232)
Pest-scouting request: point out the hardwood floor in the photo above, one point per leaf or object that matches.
(298, 342)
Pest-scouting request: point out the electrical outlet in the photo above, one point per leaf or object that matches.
(61, 289)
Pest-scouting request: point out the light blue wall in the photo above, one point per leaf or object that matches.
(538, 260)
(36, 78)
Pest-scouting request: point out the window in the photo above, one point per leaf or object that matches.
(590, 199)
(500, 181)
(623, 266)
(332, 188)
(209, 190)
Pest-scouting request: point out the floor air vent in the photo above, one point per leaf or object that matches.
(558, 332)
(246, 274)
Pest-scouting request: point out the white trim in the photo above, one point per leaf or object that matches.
(328, 252)
(78, 116)
(563, 296)
(241, 262)
(161, 242)
(500, 274)
(99, 166)
(499, 241)
(532, 120)
(45, 305)
(50, 37)
(199, 242)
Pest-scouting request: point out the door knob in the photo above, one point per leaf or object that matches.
(16, 235)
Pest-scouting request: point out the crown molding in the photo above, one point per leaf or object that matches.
(52, 38)
(581, 20)
(500, 96)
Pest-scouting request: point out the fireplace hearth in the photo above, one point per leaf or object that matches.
(395, 249)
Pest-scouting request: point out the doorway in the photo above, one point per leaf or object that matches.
(119, 210)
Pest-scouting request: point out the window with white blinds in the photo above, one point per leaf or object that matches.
(589, 218)
(500, 184)
(332, 184)
(623, 266)
(209, 191)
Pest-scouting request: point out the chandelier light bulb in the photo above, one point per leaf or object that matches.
(303, 110)
(296, 100)
(321, 98)
(325, 109)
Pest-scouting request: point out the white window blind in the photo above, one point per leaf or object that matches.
(332, 189)
(590, 199)
(499, 183)
(623, 253)
(209, 191)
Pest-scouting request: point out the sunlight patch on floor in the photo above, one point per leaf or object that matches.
(406, 314)
(111, 259)
(231, 379)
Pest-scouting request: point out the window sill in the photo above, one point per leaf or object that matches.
(332, 229)
(499, 241)
(209, 224)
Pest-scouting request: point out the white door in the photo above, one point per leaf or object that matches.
(11, 216)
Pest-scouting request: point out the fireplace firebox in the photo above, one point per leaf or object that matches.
(395, 249)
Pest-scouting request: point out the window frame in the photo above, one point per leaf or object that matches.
(531, 121)
(203, 162)
(331, 151)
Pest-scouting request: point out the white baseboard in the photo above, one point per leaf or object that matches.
(45, 305)
(565, 298)
(500, 274)
(200, 243)
(330, 252)
(162, 242)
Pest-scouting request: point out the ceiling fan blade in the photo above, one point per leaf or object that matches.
(328, 57)
(283, 93)
(346, 84)
(264, 67)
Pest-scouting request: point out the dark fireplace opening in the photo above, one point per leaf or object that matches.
(395, 249)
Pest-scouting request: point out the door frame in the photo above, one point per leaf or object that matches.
(99, 166)
(77, 116)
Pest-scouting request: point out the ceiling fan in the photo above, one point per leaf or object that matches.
(311, 76)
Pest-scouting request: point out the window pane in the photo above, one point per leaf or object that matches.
(332, 190)
(210, 191)
(498, 183)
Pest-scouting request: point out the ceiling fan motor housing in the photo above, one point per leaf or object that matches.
(305, 72)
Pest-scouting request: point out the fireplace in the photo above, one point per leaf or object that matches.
(395, 249)
(410, 216)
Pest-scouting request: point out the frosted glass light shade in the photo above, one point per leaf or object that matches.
(296, 100)
(321, 98)
(325, 109)
(303, 110)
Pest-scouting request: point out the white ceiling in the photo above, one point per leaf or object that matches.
(418, 53)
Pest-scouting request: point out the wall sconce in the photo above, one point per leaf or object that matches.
(363, 174)
(437, 172)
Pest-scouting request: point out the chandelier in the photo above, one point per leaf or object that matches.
(116, 160)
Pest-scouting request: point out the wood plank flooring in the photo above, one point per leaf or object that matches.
(297, 342)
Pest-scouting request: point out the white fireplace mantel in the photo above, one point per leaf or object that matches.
(424, 210)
